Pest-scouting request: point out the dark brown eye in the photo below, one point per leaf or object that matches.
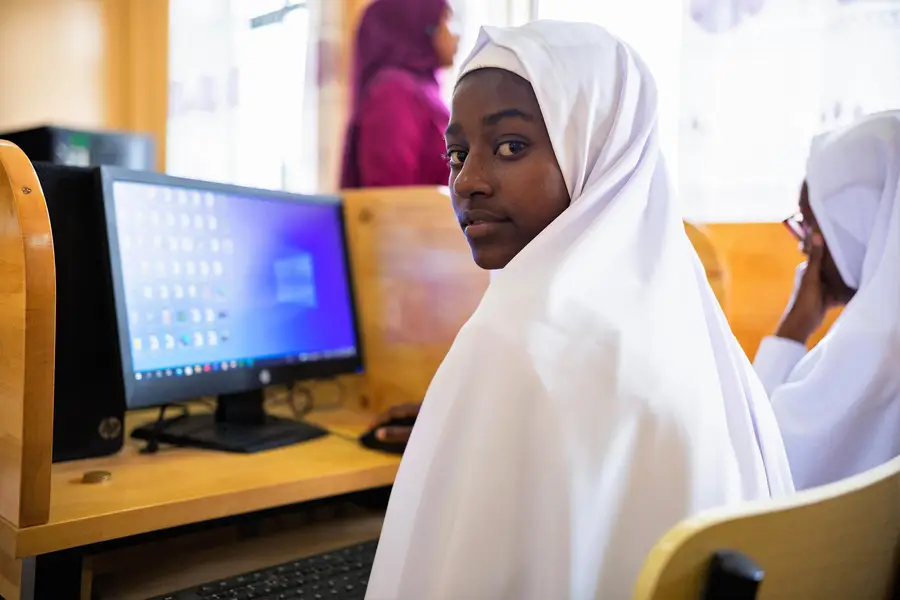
(510, 148)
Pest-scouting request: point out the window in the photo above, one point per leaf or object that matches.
(656, 38)
(468, 18)
(745, 84)
(241, 107)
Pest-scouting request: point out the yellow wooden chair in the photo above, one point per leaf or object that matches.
(27, 338)
(839, 542)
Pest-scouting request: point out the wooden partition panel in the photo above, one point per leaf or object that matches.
(27, 333)
(760, 260)
(416, 285)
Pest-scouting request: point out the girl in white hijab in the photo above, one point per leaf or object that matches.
(838, 406)
(596, 396)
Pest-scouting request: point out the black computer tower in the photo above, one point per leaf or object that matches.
(84, 148)
(89, 401)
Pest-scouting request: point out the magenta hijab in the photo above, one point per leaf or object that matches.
(396, 33)
(392, 34)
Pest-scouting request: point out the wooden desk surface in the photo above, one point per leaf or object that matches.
(180, 486)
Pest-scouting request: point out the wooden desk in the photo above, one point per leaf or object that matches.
(181, 486)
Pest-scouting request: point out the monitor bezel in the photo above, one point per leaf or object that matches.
(159, 392)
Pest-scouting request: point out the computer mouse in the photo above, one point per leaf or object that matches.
(369, 440)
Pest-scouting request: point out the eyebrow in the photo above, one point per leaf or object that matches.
(493, 119)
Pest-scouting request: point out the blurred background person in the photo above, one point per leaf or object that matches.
(395, 135)
(838, 405)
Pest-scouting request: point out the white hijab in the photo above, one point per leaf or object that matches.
(839, 409)
(597, 396)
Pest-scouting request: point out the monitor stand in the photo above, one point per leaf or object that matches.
(240, 424)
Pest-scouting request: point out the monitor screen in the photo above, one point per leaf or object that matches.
(221, 289)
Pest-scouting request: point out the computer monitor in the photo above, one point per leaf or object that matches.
(221, 290)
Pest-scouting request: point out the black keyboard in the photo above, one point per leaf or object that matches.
(337, 575)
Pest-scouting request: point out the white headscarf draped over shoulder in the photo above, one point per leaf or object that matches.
(596, 396)
(839, 409)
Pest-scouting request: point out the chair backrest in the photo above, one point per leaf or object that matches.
(713, 264)
(27, 337)
(838, 541)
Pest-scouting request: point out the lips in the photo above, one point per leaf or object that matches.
(479, 216)
(478, 223)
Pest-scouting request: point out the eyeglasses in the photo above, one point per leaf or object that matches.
(799, 228)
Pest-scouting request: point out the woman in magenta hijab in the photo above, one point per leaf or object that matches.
(395, 136)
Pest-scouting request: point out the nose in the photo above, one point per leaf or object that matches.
(471, 181)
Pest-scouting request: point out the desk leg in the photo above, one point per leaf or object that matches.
(46, 577)
(16, 578)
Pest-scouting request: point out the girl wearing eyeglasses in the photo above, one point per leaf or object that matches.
(838, 405)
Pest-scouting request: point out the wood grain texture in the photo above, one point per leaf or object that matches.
(838, 541)
(179, 486)
(415, 282)
(27, 337)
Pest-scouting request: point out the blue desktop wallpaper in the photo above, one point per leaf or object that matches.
(212, 278)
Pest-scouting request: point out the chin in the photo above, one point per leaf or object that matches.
(490, 260)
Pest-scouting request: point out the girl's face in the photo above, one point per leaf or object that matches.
(837, 291)
(505, 183)
(445, 41)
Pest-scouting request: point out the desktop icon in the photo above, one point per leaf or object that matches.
(188, 371)
(138, 376)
